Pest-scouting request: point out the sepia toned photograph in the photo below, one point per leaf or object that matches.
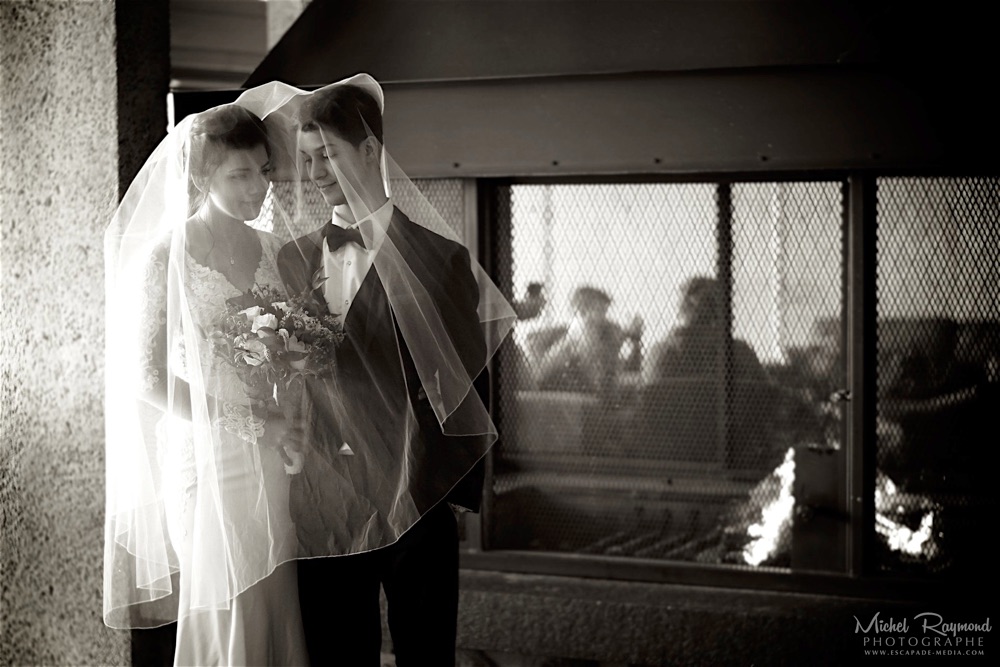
(498, 333)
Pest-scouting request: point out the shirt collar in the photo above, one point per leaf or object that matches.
(380, 220)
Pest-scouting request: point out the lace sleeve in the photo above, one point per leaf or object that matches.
(153, 322)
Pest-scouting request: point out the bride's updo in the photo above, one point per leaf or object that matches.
(213, 132)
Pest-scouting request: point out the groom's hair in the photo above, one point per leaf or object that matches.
(347, 110)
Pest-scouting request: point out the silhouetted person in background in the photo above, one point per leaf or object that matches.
(532, 303)
(586, 357)
(696, 348)
(707, 397)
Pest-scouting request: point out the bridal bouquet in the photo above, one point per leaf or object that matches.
(273, 343)
(270, 340)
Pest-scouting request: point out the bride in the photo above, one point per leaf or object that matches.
(198, 456)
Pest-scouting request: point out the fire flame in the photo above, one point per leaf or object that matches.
(775, 517)
(899, 536)
(770, 533)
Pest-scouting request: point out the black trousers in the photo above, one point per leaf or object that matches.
(419, 573)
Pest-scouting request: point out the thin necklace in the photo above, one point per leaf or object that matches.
(208, 228)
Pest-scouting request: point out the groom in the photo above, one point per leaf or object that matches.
(380, 402)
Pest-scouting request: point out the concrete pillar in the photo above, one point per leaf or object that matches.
(82, 100)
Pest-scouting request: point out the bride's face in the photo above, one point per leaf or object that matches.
(334, 165)
(238, 186)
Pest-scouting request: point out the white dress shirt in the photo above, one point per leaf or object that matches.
(345, 268)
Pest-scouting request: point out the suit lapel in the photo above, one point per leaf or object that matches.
(371, 309)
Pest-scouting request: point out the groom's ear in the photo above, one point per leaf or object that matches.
(371, 149)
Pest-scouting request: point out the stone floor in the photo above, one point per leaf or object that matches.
(493, 659)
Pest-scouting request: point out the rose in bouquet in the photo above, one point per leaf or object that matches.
(273, 343)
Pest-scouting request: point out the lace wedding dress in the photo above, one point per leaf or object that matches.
(232, 500)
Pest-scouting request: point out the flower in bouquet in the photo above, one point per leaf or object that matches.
(270, 339)
(273, 343)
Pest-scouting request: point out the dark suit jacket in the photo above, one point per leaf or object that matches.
(375, 381)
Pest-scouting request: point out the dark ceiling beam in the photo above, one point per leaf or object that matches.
(765, 120)
(557, 87)
(429, 40)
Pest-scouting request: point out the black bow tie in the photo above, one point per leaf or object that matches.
(337, 236)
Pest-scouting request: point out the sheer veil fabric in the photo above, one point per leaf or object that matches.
(202, 502)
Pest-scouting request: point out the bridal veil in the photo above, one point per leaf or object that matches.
(367, 474)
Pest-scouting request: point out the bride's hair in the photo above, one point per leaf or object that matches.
(348, 110)
(213, 132)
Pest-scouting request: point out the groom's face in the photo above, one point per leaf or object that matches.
(333, 164)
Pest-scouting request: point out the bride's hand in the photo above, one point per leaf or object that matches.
(291, 450)
(285, 437)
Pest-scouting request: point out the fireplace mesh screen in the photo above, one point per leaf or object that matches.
(938, 358)
(680, 350)
(444, 197)
(676, 343)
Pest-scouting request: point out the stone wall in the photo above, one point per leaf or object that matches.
(59, 185)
